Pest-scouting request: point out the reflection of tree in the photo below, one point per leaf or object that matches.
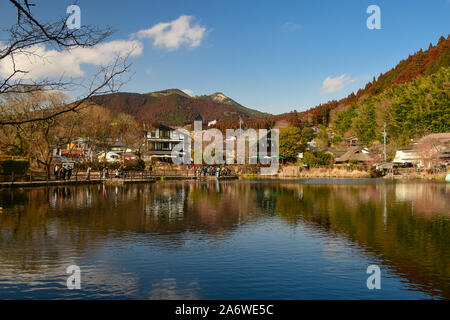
(44, 223)
(409, 239)
(406, 225)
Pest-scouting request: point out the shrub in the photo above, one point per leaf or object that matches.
(374, 173)
(140, 165)
(18, 166)
(315, 159)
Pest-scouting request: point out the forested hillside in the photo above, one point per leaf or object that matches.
(422, 63)
(409, 110)
(172, 107)
(412, 99)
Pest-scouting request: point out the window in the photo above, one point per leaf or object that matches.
(165, 133)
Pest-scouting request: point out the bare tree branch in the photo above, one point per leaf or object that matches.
(23, 39)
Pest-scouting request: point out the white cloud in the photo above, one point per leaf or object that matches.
(171, 35)
(46, 62)
(188, 91)
(330, 85)
(53, 63)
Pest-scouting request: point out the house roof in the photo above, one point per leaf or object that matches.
(355, 154)
(154, 126)
(336, 153)
(442, 137)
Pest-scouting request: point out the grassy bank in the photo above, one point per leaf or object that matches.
(296, 172)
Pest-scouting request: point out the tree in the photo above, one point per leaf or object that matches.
(291, 143)
(23, 39)
(317, 158)
(365, 124)
(38, 140)
(130, 132)
(98, 126)
(323, 139)
(308, 133)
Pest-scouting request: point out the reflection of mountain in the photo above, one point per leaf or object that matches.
(405, 225)
(38, 219)
(408, 229)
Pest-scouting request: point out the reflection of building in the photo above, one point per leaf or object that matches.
(167, 203)
(160, 141)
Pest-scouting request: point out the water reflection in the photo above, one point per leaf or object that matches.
(184, 240)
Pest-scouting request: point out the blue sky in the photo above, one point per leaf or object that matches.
(270, 55)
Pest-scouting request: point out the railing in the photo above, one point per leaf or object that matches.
(39, 176)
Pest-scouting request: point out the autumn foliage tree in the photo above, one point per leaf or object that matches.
(291, 143)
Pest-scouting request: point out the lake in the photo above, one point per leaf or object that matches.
(309, 239)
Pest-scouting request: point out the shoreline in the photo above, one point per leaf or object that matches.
(295, 172)
(8, 185)
(285, 173)
(57, 183)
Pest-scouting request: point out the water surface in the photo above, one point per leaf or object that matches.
(309, 239)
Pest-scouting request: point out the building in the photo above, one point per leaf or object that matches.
(111, 157)
(427, 152)
(352, 141)
(335, 152)
(78, 148)
(358, 154)
(160, 140)
(407, 155)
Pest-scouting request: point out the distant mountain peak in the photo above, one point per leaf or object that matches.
(175, 107)
(167, 92)
(221, 98)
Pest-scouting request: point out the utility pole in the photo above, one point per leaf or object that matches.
(384, 140)
(240, 123)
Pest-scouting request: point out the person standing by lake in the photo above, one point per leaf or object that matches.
(64, 172)
(56, 172)
(69, 173)
(61, 173)
(88, 173)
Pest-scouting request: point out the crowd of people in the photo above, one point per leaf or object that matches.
(63, 172)
(106, 173)
(211, 171)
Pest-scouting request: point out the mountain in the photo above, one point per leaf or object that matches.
(174, 107)
(167, 92)
(409, 110)
(219, 97)
(422, 63)
(412, 99)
